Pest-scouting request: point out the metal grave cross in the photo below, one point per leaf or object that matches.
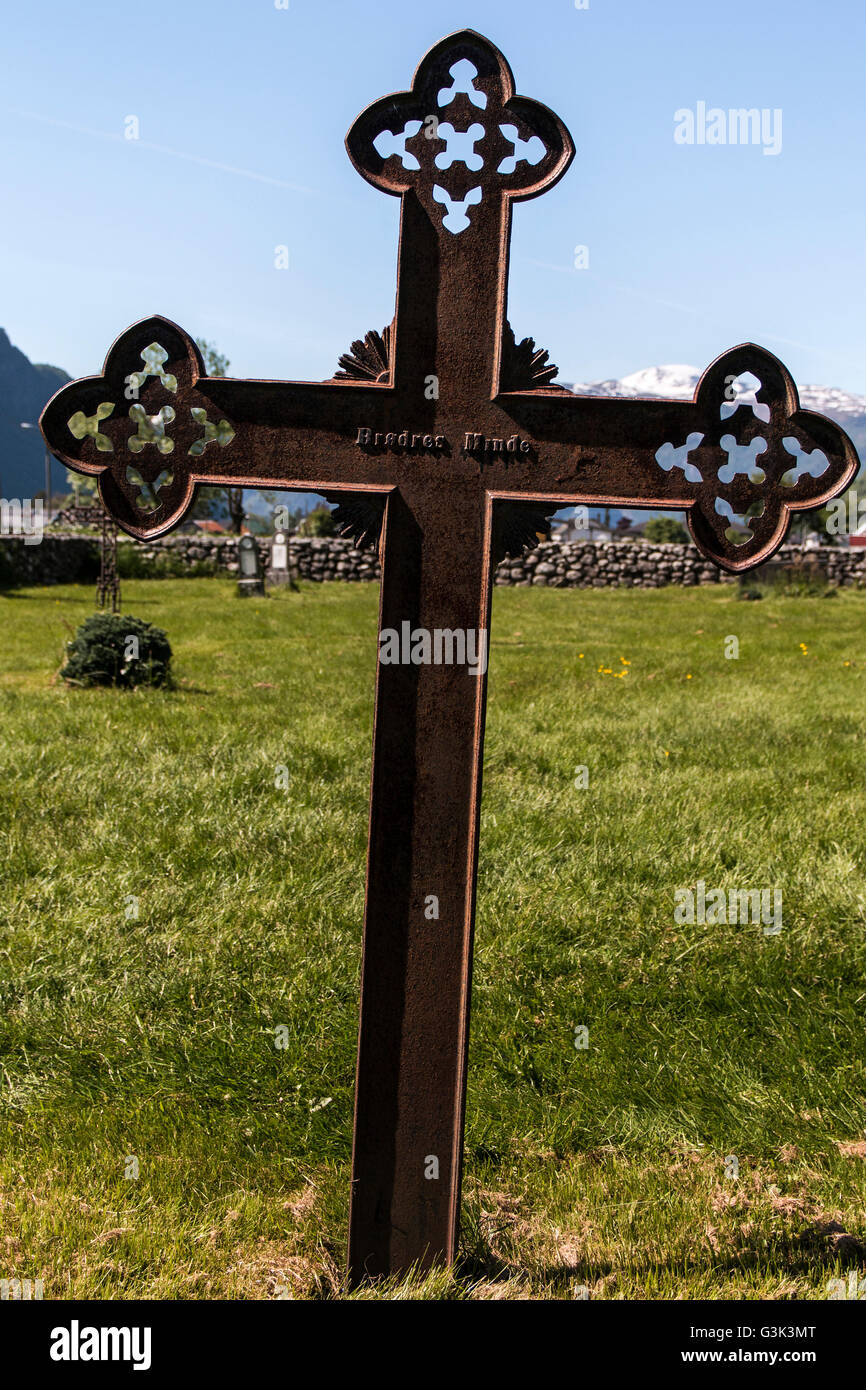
(443, 439)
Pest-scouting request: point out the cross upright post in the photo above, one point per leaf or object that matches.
(444, 439)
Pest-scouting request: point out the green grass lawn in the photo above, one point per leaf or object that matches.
(153, 1037)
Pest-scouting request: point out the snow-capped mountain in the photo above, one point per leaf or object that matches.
(679, 382)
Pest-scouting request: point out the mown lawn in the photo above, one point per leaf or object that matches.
(153, 1037)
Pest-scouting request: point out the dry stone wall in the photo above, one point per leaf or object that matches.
(554, 564)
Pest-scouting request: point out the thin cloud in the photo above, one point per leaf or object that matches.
(688, 309)
(165, 149)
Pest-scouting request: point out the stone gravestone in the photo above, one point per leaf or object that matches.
(445, 441)
(278, 572)
(250, 580)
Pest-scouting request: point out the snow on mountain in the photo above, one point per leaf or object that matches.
(662, 381)
(678, 382)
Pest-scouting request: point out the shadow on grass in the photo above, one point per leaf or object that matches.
(776, 1259)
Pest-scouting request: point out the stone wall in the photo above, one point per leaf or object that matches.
(573, 564)
(639, 565)
(55, 560)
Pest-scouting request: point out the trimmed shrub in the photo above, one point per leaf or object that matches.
(112, 650)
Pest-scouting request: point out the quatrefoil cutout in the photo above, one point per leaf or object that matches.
(154, 357)
(151, 429)
(147, 499)
(460, 138)
(82, 426)
(150, 404)
(753, 457)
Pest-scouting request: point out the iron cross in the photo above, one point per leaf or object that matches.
(444, 440)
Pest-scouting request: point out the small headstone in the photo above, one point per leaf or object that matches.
(250, 580)
(279, 568)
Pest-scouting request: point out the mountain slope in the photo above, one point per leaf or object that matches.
(25, 386)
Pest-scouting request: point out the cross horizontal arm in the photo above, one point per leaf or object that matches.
(153, 425)
(591, 449)
(739, 464)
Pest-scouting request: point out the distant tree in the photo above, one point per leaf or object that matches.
(318, 522)
(216, 363)
(82, 490)
(665, 530)
(290, 517)
(216, 503)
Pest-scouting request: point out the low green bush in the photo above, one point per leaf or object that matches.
(112, 650)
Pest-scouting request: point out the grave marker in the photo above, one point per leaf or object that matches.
(108, 583)
(445, 440)
(278, 569)
(250, 580)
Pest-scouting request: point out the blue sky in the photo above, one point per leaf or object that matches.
(692, 249)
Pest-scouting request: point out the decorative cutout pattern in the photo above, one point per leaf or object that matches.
(739, 532)
(151, 429)
(387, 143)
(221, 434)
(741, 459)
(456, 218)
(463, 75)
(147, 500)
(532, 150)
(461, 119)
(94, 428)
(154, 357)
(669, 457)
(463, 143)
(740, 391)
(812, 464)
(81, 426)
(748, 429)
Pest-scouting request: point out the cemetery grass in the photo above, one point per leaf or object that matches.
(602, 1168)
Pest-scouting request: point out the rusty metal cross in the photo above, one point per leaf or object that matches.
(444, 439)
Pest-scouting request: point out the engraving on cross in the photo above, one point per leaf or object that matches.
(445, 440)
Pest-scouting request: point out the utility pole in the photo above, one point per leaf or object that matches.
(26, 425)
